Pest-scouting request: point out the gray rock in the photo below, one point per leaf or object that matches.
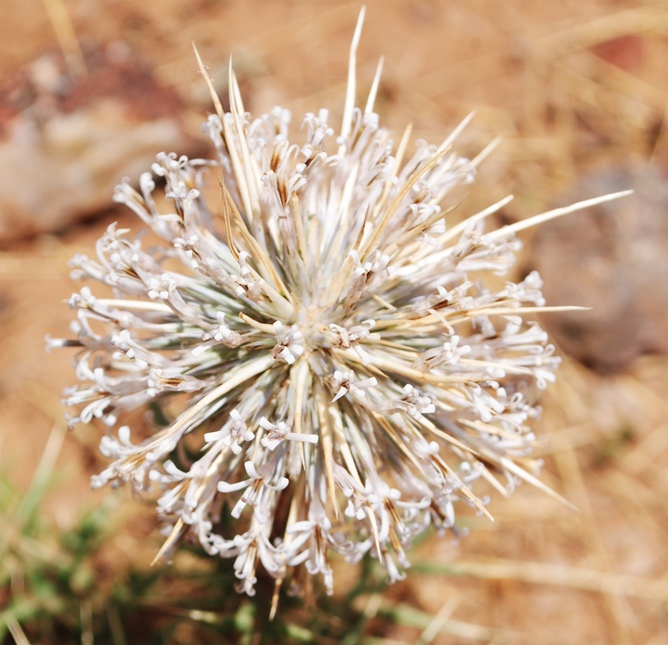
(65, 143)
(614, 259)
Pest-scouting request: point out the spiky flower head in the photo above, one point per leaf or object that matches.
(327, 364)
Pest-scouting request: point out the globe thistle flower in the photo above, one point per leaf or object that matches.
(328, 365)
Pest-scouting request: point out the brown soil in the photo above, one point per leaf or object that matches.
(569, 85)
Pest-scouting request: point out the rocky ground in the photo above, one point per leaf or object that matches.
(90, 90)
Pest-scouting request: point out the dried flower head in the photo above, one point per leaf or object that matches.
(330, 364)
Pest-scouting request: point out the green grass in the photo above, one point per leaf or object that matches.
(59, 587)
(91, 583)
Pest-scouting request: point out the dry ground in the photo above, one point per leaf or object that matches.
(569, 85)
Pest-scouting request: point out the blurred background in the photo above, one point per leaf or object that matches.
(91, 90)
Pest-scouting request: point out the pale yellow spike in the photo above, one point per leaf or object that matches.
(169, 544)
(265, 266)
(265, 328)
(509, 311)
(447, 144)
(209, 83)
(374, 529)
(493, 481)
(226, 217)
(535, 482)
(401, 149)
(344, 446)
(485, 152)
(431, 427)
(557, 212)
(394, 367)
(396, 167)
(275, 597)
(250, 174)
(464, 489)
(373, 92)
(458, 228)
(237, 165)
(349, 104)
(300, 373)
(327, 447)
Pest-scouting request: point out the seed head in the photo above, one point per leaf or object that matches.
(328, 365)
